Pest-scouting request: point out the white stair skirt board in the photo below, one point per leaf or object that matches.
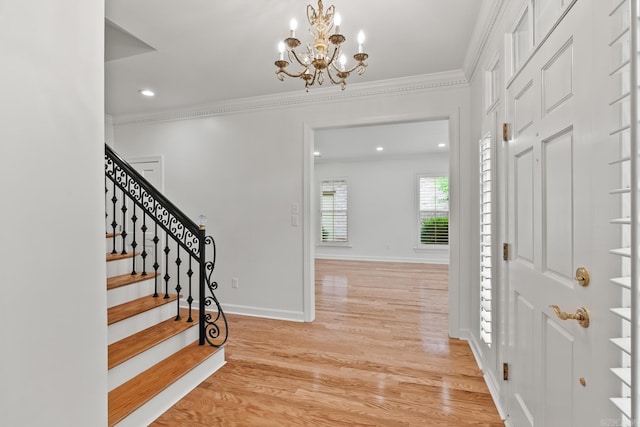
(134, 324)
(130, 292)
(122, 373)
(147, 413)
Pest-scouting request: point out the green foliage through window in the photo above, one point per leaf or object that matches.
(434, 231)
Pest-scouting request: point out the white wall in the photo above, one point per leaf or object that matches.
(108, 130)
(382, 208)
(53, 369)
(245, 170)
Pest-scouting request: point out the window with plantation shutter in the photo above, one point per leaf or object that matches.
(624, 27)
(333, 211)
(433, 210)
(485, 240)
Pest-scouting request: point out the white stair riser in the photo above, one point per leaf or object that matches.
(122, 373)
(123, 266)
(130, 292)
(150, 411)
(132, 325)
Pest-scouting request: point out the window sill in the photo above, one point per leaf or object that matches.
(333, 245)
(432, 248)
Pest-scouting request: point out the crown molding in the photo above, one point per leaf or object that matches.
(489, 13)
(449, 79)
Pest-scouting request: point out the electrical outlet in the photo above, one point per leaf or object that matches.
(234, 283)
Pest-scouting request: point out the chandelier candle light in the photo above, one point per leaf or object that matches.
(317, 59)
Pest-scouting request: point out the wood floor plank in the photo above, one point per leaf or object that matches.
(137, 306)
(378, 354)
(125, 399)
(135, 344)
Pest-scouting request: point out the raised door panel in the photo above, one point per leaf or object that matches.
(524, 380)
(558, 369)
(524, 109)
(557, 79)
(557, 199)
(524, 179)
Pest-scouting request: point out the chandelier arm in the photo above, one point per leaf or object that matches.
(359, 66)
(342, 82)
(293, 55)
(310, 82)
(333, 57)
(334, 81)
(283, 71)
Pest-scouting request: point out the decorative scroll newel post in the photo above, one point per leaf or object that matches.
(202, 223)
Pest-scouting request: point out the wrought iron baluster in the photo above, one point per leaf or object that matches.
(134, 219)
(166, 266)
(216, 328)
(144, 244)
(106, 204)
(201, 280)
(114, 224)
(123, 208)
(190, 297)
(156, 266)
(178, 287)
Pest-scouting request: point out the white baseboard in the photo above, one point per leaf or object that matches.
(467, 336)
(494, 388)
(266, 313)
(424, 260)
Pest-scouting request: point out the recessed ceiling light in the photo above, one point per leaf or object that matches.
(442, 144)
(146, 92)
(379, 148)
(316, 153)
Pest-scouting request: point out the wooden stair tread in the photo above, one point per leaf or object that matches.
(111, 235)
(128, 279)
(119, 256)
(135, 344)
(140, 305)
(128, 397)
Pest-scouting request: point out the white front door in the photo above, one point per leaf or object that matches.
(554, 378)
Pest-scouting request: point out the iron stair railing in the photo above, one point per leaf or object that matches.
(129, 190)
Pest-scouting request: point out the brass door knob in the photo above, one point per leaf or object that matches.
(582, 276)
(581, 315)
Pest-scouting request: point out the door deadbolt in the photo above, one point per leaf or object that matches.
(582, 276)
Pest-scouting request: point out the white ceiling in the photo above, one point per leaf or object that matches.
(196, 52)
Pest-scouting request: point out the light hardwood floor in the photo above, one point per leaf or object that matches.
(377, 354)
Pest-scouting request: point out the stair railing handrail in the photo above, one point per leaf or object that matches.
(184, 231)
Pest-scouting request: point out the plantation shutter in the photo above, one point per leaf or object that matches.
(624, 68)
(333, 207)
(434, 210)
(485, 240)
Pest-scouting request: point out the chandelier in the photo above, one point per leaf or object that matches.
(322, 56)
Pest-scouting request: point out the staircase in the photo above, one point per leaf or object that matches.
(160, 346)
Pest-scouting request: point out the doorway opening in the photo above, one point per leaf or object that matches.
(366, 196)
